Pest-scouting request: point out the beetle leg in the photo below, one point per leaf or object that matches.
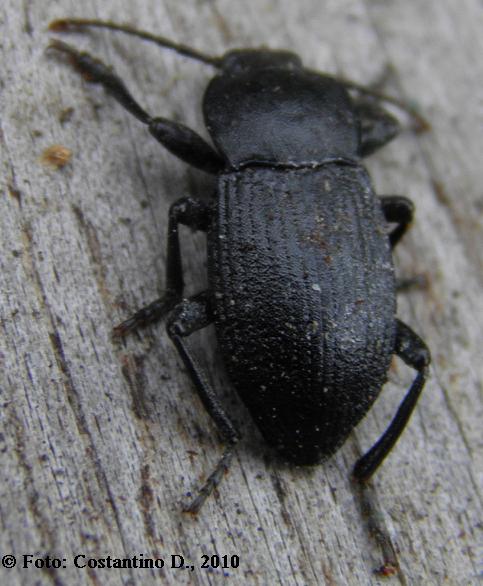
(187, 317)
(193, 213)
(398, 209)
(378, 127)
(177, 138)
(415, 353)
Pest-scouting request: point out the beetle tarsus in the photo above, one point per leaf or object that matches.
(93, 70)
(211, 483)
(146, 315)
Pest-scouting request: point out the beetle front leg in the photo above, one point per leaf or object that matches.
(194, 214)
(398, 209)
(177, 138)
(415, 353)
(187, 317)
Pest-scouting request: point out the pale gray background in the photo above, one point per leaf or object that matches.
(99, 442)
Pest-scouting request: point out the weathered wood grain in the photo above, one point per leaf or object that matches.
(100, 441)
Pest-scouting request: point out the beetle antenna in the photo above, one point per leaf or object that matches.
(71, 24)
(422, 125)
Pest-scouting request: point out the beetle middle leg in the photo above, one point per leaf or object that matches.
(177, 138)
(415, 353)
(193, 213)
(187, 317)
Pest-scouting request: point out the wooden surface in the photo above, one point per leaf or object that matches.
(101, 441)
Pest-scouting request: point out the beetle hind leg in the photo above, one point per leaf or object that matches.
(187, 317)
(415, 353)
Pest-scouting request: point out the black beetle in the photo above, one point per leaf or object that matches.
(302, 287)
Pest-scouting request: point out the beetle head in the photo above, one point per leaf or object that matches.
(245, 60)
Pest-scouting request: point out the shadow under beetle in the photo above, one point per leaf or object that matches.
(301, 281)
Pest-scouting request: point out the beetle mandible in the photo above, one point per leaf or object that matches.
(301, 282)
